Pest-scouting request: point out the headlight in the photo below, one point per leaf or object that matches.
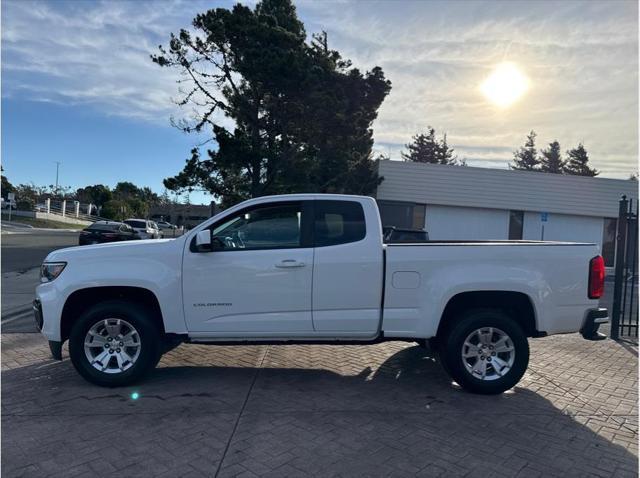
(51, 270)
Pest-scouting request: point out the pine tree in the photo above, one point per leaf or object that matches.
(551, 160)
(426, 148)
(288, 114)
(577, 162)
(526, 158)
(444, 154)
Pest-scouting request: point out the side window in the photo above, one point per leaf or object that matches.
(338, 222)
(271, 227)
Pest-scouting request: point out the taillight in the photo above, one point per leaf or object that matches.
(596, 277)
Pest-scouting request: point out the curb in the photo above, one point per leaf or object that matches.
(16, 224)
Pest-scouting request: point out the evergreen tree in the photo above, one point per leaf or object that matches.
(444, 154)
(423, 148)
(526, 158)
(302, 115)
(551, 160)
(577, 162)
(5, 187)
(426, 148)
(97, 194)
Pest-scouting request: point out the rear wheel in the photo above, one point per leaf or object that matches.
(486, 351)
(114, 343)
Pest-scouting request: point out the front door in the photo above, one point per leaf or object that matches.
(259, 283)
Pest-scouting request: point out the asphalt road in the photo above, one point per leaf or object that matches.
(24, 248)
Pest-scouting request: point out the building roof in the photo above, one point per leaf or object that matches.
(502, 189)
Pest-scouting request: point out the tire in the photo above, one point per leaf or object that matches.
(501, 355)
(115, 367)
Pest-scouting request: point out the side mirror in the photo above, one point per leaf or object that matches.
(203, 241)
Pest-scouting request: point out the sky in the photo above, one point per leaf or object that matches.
(79, 88)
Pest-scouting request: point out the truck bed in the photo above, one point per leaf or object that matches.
(421, 278)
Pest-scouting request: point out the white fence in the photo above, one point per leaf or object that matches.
(75, 212)
(64, 209)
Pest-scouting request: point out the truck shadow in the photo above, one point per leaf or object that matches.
(406, 410)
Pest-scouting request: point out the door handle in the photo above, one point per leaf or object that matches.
(289, 263)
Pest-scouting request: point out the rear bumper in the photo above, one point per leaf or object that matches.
(592, 321)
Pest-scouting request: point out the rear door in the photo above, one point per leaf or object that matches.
(348, 267)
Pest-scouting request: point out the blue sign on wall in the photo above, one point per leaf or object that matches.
(544, 216)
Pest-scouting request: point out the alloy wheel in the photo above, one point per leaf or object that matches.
(488, 353)
(112, 345)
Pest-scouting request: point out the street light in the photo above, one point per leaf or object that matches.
(57, 170)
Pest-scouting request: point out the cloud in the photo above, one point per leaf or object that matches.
(94, 54)
(581, 59)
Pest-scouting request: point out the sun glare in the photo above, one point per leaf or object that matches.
(505, 85)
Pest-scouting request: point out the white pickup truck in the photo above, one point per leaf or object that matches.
(313, 268)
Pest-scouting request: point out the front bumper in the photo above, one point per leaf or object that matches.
(592, 322)
(54, 346)
(47, 309)
(37, 314)
(56, 349)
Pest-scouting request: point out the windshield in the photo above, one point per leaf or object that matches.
(138, 224)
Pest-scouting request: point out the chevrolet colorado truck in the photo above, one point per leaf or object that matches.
(313, 268)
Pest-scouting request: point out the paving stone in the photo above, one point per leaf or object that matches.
(380, 410)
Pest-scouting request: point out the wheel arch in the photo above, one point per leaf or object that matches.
(80, 300)
(516, 305)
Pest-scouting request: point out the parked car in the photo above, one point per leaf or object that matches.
(311, 268)
(146, 229)
(166, 225)
(107, 231)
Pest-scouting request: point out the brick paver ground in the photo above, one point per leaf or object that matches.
(380, 410)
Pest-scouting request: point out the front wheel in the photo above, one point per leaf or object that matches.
(486, 351)
(114, 343)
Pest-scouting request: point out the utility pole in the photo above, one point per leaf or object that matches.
(57, 170)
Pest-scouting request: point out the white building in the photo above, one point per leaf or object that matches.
(453, 202)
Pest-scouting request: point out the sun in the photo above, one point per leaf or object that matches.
(505, 85)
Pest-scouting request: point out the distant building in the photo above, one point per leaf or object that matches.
(453, 202)
(187, 215)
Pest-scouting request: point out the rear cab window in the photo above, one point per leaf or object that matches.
(338, 222)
